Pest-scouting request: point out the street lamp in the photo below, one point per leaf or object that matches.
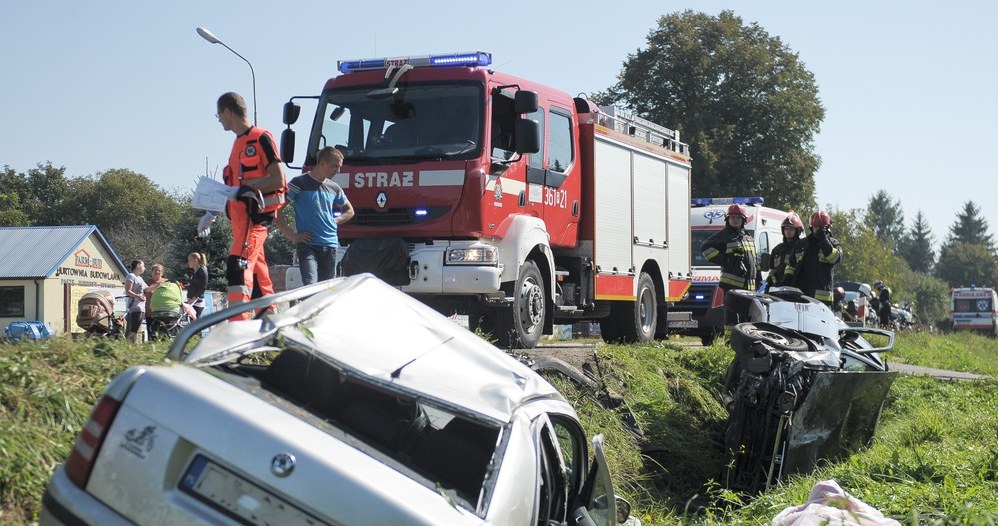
(207, 35)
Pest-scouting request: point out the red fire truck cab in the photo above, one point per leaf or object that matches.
(517, 204)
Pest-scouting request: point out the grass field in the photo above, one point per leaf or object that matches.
(934, 459)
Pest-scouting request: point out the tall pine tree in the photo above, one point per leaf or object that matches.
(970, 228)
(886, 218)
(916, 246)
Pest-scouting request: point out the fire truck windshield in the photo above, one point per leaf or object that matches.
(432, 121)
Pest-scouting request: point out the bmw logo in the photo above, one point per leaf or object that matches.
(282, 464)
(382, 199)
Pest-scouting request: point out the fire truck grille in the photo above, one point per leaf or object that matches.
(398, 216)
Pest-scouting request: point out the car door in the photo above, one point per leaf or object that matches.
(596, 503)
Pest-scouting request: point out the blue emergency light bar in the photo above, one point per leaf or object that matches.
(471, 58)
(705, 201)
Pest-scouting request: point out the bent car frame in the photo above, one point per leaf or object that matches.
(354, 404)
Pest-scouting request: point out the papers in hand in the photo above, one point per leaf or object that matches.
(212, 195)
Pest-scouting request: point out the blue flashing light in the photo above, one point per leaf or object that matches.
(705, 201)
(469, 59)
(421, 212)
(699, 297)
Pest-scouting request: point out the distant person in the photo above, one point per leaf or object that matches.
(733, 248)
(884, 303)
(316, 200)
(135, 288)
(812, 264)
(196, 286)
(155, 280)
(257, 180)
(792, 228)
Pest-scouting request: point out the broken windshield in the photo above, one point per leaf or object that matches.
(420, 121)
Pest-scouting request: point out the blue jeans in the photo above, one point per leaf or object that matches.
(316, 263)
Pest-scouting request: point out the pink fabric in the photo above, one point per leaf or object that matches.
(829, 505)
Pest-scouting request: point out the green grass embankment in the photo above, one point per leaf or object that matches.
(934, 459)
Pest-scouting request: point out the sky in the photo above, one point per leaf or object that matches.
(908, 86)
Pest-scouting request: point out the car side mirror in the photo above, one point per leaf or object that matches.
(623, 509)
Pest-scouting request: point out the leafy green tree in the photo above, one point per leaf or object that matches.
(970, 228)
(916, 246)
(741, 98)
(10, 211)
(886, 217)
(43, 193)
(963, 264)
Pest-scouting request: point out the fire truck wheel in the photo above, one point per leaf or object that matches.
(636, 321)
(520, 326)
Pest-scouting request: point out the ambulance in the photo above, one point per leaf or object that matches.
(701, 311)
(975, 309)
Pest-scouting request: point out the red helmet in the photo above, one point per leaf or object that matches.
(737, 210)
(793, 220)
(820, 219)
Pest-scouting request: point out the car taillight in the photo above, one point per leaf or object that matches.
(89, 441)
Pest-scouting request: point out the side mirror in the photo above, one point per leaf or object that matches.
(288, 145)
(291, 112)
(527, 136)
(525, 102)
(623, 509)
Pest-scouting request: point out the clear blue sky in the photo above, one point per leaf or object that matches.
(908, 87)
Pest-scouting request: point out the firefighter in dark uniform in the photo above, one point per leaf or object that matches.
(733, 248)
(884, 303)
(812, 264)
(792, 228)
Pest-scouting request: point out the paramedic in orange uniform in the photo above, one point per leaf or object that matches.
(255, 169)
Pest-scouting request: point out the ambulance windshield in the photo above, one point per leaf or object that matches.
(433, 121)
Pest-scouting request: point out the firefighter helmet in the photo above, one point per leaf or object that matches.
(737, 210)
(793, 220)
(878, 285)
(820, 219)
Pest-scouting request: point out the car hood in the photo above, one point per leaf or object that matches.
(372, 329)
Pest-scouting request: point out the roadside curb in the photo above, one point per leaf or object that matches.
(940, 374)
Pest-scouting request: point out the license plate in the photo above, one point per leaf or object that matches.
(684, 324)
(240, 498)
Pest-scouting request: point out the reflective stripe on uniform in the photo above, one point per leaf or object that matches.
(832, 258)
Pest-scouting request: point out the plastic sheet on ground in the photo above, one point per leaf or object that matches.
(830, 505)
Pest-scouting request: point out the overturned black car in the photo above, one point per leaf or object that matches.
(802, 387)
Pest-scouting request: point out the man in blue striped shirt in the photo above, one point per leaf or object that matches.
(316, 199)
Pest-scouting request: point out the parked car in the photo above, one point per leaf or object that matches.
(352, 404)
(802, 387)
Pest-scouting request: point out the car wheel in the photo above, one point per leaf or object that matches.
(745, 334)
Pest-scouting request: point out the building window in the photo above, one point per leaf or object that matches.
(11, 302)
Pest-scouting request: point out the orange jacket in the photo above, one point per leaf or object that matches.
(249, 161)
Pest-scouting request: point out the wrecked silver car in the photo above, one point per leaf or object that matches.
(352, 404)
(802, 387)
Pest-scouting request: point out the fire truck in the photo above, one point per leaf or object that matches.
(975, 309)
(701, 311)
(512, 202)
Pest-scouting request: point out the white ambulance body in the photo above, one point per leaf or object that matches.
(975, 309)
(706, 317)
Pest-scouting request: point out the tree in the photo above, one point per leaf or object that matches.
(43, 193)
(963, 264)
(886, 218)
(970, 228)
(916, 246)
(741, 99)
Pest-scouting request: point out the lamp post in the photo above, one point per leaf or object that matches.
(207, 35)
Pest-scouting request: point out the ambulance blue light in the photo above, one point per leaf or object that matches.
(704, 201)
(421, 212)
(471, 58)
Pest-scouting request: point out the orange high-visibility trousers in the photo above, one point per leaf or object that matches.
(247, 265)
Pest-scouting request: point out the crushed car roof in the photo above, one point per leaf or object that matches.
(371, 328)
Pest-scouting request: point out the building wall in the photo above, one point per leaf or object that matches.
(88, 267)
